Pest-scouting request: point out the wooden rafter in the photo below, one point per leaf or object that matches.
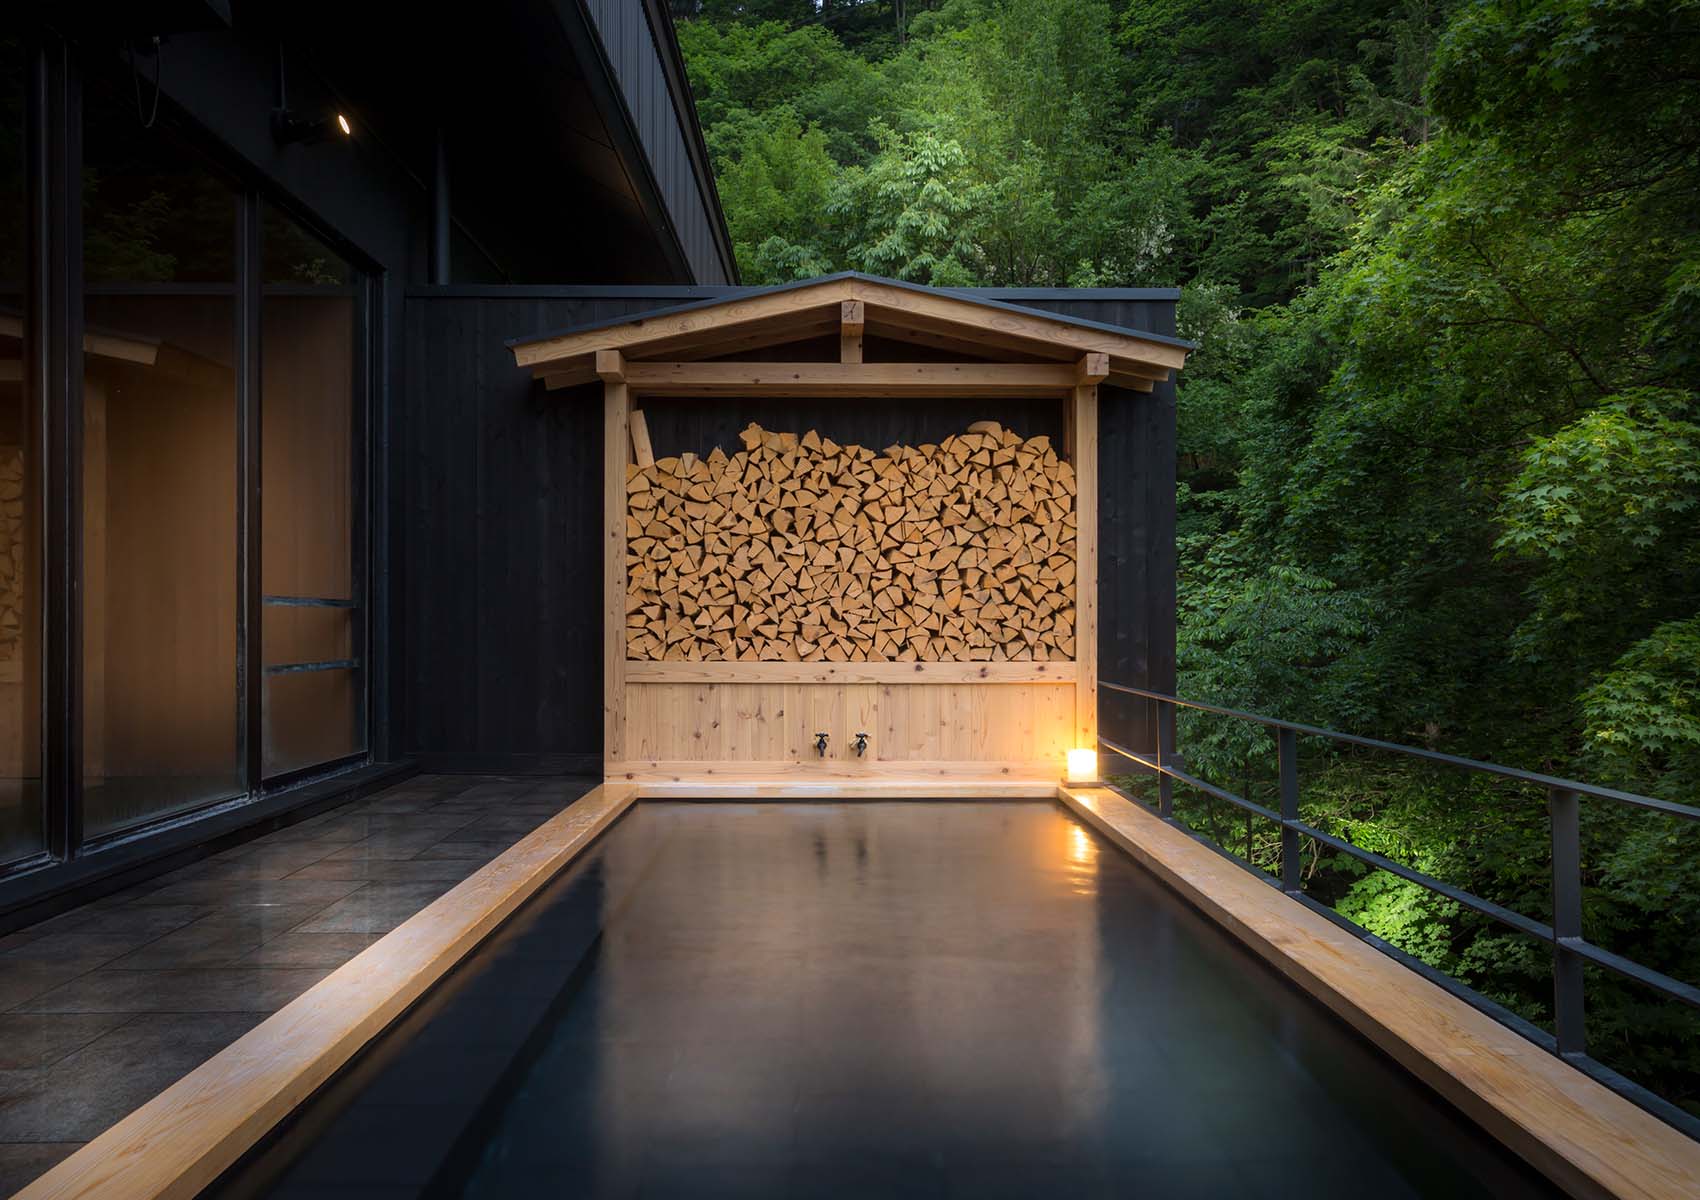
(851, 306)
(710, 379)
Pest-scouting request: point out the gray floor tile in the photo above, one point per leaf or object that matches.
(192, 990)
(82, 1094)
(391, 845)
(375, 908)
(22, 1162)
(29, 1041)
(135, 919)
(25, 979)
(220, 939)
(263, 861)
(390, 870)
(471, 852)
(241, 893)
(309, 949)
(90, 948)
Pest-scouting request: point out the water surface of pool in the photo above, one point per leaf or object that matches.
(870, 999)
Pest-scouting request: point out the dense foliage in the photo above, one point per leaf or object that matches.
(1440, 447)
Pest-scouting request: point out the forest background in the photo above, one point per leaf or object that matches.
(1439, 474)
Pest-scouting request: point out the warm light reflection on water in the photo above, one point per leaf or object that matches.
(1082, 861)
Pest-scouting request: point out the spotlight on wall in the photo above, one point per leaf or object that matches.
(292, 127)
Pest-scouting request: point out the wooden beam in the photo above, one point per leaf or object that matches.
(749, 379)
(577, 376)
(1092, 369)
(176, 1144)
(1584, 1137)
(1084, 454)
(1004, 326)
(610, 366)
(850, 325)
(1134, 383)
(650, 671)
(701, 325)
(643, 454)
(616, 412)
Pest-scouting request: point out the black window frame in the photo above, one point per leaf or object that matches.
(53, 380)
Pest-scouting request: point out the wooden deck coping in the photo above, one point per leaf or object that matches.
(181, 1140)
(1580, 1134)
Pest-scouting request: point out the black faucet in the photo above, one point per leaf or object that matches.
(820, 744)
(861, 744)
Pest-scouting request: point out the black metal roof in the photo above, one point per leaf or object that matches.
(976, 295)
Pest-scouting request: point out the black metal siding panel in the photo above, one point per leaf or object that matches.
(630, 44)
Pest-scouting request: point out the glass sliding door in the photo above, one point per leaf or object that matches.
(312, 403)
(22, 817)
(161, 730)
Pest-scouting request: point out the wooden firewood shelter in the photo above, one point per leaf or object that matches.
(793, 613)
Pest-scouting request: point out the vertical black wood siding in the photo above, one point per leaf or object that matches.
(498, 538)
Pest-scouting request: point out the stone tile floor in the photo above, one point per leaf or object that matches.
(106, 1005)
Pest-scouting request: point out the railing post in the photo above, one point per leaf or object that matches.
(1165, 737)
(1569, 1015)
(1287, 754)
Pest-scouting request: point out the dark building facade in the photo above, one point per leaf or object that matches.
(211, 220)
(279, 518)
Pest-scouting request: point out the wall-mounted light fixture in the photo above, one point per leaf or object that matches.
(292, 127)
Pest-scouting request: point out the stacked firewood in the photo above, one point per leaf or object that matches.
(796, 549)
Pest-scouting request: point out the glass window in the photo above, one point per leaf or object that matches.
(312, 632)
(22, 829)
(160, 715)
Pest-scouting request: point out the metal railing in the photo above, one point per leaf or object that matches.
(1570, 950)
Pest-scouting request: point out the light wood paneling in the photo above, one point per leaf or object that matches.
(179, 1142)
(1586, 1138)
(745, 722)
(976, 723)
(737, 723)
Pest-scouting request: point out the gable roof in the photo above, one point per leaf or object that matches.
(942, 317)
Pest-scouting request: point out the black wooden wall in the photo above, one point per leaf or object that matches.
(497, 518)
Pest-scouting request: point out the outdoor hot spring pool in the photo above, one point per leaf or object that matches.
(949, 998)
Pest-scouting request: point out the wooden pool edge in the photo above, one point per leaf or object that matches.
(1581, 1135)
(176, 1144)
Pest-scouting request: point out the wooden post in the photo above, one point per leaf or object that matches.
(850, 325)
(616, 409)
(643, 454)
(1083, 427)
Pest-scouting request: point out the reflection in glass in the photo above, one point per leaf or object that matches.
(313, 709)
(160, 717)
(22, 828)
